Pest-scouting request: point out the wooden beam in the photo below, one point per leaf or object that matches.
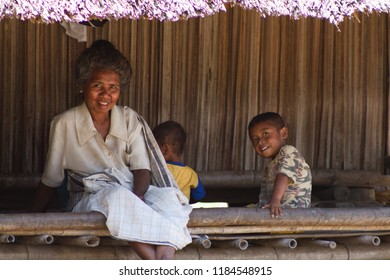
(210, 221)
(321, 178)
(310, 217)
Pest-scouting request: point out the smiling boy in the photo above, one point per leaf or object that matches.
(286, 180)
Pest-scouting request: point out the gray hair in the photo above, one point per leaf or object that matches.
(102, 55)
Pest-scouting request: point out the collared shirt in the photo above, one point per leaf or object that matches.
(76, 144)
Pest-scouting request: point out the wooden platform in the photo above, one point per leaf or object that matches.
(218, 233)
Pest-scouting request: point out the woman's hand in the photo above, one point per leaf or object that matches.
(41, 198)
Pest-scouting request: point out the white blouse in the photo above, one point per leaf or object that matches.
(76, 144)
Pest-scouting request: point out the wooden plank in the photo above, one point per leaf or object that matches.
(234, 220)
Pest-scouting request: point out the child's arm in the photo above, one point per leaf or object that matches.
(198, 192)
(280, 186)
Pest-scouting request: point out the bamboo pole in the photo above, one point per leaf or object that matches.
(7, 238)
(210, 221)
(201, 241)
(319, 242)
(87, 241)
(43, 239)
(293, 218)
(243, 179)
(241, 244)
(60, 252)
(283, 230)
(279, 243)
(321, 178)
(300, 235)
(59, 224)
(364, 239)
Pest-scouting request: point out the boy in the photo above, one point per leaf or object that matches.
(171, 137)
(287, 178)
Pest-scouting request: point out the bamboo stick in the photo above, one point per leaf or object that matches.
(60, 252)
(282, 230)
(87, 241)
(201, 242)
(7, 238)
(300, 235)
(243, 179)
(241, 244)
(43, 239)
(319, 242)
(364, 239)
(320, 177)
(282, 242)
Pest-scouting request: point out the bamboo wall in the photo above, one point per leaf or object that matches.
(213, 75)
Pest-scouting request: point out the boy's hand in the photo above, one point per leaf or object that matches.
(274, 208)
(280, 186)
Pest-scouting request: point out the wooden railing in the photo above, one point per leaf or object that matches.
(331, 188)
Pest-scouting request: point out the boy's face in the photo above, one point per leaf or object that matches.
(267, 139)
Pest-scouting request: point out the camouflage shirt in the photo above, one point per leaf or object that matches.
(292, 164)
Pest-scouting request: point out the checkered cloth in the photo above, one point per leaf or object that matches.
(160, 219)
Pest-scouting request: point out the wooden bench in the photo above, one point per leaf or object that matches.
(233, 233)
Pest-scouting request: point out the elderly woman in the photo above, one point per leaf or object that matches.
(112, 163)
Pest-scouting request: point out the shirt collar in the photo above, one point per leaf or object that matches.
(118, 127)
(86, 130)
(176, 163)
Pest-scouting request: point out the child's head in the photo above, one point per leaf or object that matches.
(171, 137)
(268, 134)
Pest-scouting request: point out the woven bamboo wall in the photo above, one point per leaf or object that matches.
(213, 75)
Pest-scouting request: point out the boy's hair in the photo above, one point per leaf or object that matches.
(272, 117)
(171, 132)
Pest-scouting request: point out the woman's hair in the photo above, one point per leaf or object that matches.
(271, 117)
(102, 55)
(172, 133)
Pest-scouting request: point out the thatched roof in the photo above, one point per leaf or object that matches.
(49, 11)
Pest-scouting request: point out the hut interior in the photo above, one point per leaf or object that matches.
(213, 74)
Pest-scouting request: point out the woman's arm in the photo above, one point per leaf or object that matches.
(42, 197)
(141, 182)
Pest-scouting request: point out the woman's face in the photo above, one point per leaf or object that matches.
(102, 91)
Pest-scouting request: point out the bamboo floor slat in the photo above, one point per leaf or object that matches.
(302, 235)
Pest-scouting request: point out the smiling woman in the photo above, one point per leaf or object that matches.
(101, 94)
(112, 163)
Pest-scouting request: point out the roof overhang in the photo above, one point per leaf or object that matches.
(50, 11)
